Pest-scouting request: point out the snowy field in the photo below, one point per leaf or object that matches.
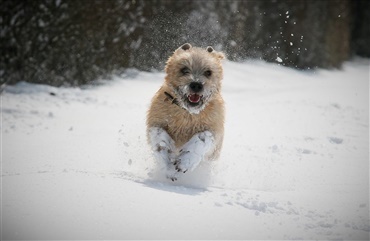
(295, 162)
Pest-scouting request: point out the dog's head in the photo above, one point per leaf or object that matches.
(195, 75)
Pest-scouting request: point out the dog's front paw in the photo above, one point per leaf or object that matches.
(172, 175)
(186, 161)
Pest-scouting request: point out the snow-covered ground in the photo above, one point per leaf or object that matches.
(295, 162)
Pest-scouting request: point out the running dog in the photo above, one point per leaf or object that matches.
(185, 121)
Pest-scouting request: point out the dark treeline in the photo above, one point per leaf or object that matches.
(72, 42)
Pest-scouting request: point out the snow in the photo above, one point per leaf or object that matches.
(278, 59)
(295, 162)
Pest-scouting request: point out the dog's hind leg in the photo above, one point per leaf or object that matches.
(194, 151)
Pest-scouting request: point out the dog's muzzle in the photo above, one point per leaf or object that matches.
(195, 87)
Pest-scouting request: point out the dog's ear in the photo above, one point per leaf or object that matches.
(219, 55)
(185, 47)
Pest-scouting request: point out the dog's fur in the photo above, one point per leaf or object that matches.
(185, 122)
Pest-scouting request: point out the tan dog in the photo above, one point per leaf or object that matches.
(185, 122)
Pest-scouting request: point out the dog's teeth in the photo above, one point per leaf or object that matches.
(194, 98)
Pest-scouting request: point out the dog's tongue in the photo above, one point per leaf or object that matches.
(194, 98)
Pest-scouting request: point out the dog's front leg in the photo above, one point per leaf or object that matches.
(194, 151)
(164, 149)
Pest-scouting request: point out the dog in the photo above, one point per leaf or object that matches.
(185, 121)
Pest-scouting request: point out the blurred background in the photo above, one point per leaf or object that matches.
(69, 42)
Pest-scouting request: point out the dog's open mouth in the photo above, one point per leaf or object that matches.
(194, 98)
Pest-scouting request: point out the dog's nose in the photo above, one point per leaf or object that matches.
(196, 87)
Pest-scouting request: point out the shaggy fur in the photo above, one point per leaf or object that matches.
(185, 122)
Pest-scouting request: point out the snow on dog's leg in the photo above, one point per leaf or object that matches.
(164, 149)
(194, 151)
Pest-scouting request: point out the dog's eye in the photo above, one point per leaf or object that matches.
(208, 73)
(185, 71)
